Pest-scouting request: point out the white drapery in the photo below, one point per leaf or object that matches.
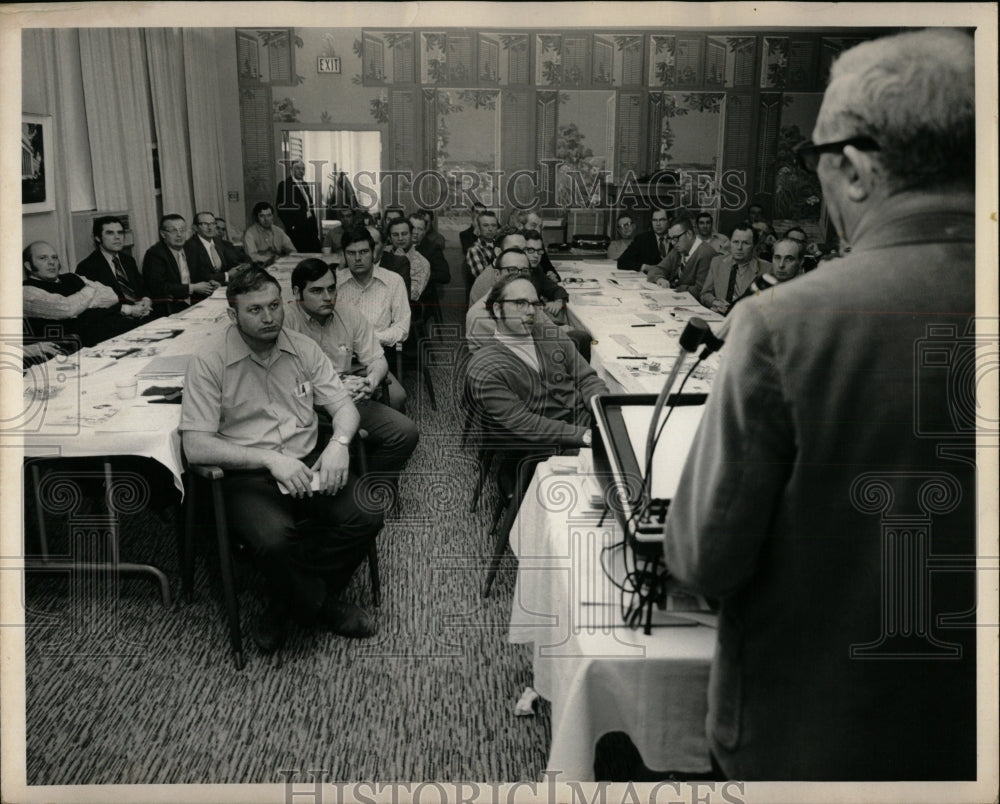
(201, 81)
(347, 151)
(116, 93)
(43, 42)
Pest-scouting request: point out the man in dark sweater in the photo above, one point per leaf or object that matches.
(648, 248)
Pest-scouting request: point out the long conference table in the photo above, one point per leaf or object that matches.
(599, 674)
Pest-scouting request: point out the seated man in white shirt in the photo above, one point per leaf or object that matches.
(401, 245)
(263, 241)
(378, 294)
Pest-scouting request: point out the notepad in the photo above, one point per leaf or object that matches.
(165, 366)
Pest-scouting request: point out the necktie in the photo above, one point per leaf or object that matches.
(213, 255)
(732, 283)
(183, 268)
(127, 291)
(663, 246)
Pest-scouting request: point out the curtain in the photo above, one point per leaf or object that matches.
(347, 151)
(116, 95)
(165, 60)
(43, 43)
(207, 145)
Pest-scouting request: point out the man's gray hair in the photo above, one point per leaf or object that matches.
(914, 94)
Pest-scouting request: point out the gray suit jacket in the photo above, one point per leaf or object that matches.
(835, 455)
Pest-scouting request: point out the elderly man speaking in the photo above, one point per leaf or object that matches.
(834, 468)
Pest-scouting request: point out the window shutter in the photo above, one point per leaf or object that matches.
(257, 128)
(373, 59)
(604, 62)
(770, 121)
(689, 61)
(739, 117)
(632, 63)
(629, 134)
(461, 67)
(545, 137)
(248, 56)
(743, 53)
(515, 139)
(403, 129)
(279, 59)
(517, 60)
(430, 128)
(489, 59)
(654, 127)
(402, 59)
(574, 59)
(715, 63)
(803, 67)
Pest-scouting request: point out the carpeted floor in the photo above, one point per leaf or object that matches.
(122, 690)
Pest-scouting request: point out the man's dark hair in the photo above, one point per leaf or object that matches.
(683, 221)
(744, 226)
(426, 214)
(533, 234)
(623, 215)
(505, 233)
(259, 207)
(396, 222)
(101, 222)
(703, 214)
(486, 213)
(496, 292)
(26, 254)
(355, 235)
(309, 270)
(171, 216)
(796, 229)
(248, 281)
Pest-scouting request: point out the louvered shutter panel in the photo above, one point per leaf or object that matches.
(373, 59)
(489, 59)
(517, 61)
(257, 129)
(802, 64)
(655, 125)
(461, 68)
(403, 129)
(632, 63)
(604, 62)
(430, 128)
(689, 61)
(574, 59)
(629, 133)
(279, 59)
(402, 61)
(739, 116)
(248, 56)
(715, 63)
(744, 62)
(515, 139)
(767, 148)
(545, 138)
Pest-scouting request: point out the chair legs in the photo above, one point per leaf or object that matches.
(501, 532)
(228, 578)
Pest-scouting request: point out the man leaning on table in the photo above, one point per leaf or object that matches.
(686, 267)
(248, 407)
(817, 485)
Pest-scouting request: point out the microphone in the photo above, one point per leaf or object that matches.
(695, 332)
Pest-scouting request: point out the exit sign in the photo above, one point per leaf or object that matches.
(328, 64)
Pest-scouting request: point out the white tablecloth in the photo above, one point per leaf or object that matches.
(617, 307)
(600, 675)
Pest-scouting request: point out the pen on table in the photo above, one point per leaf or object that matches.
(631, 357)
(643, 325)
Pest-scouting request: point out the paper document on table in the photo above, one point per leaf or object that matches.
(165, 366)
(595, 300)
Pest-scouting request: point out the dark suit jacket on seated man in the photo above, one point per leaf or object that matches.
(248, 407)
(648, 248)
(111, 265)
(346, 337)
(686, 266)
(66, 306)
(531, 382)
(210, 256)
(730, 276)
(173, 282)
(841, 654)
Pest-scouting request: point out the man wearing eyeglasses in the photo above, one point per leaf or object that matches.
(210, 256)
(648, 248)
(173, 283)
(529, 380)
(686, 267)
(835, 461)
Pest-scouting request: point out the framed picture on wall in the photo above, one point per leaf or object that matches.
(37, 180)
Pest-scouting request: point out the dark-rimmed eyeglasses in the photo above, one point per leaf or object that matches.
(808, 153)
(523, 304)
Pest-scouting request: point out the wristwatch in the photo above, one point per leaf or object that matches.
(342, 440)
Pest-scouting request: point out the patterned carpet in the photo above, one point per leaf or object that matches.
(122, 690)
